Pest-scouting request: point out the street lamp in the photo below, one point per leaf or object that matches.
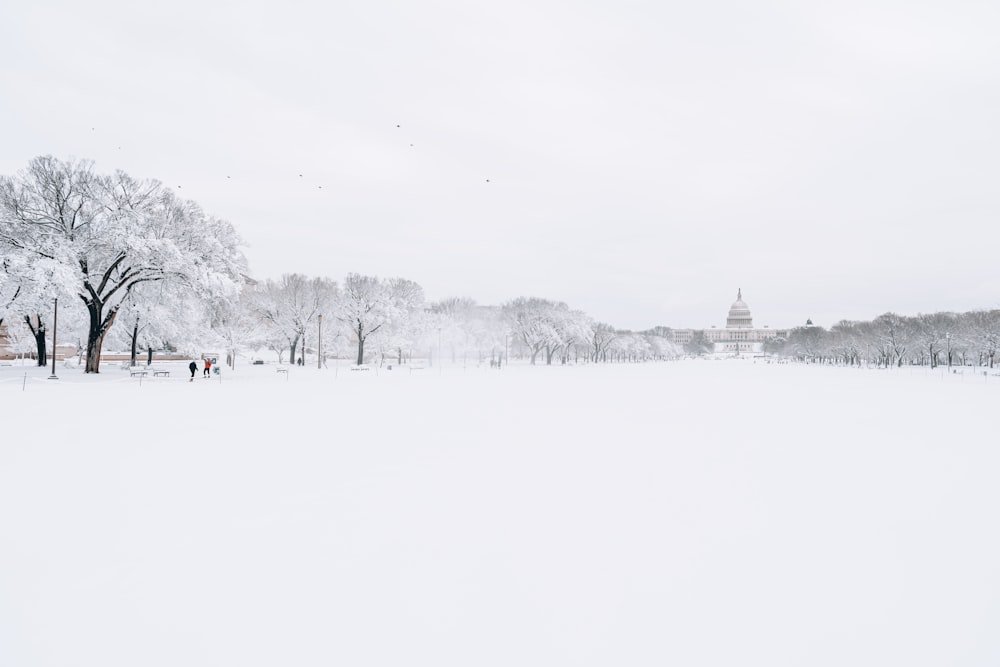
(319, 344)
(947, 337)
(55, 321)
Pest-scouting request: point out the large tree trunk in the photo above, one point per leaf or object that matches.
(39, 336)
(40, 344)
(361, 351)
(149, 356)
(295, 343)
(94, 342)
(96, 330)
(135, 341)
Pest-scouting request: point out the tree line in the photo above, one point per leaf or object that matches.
(889, 340)
(126, 263)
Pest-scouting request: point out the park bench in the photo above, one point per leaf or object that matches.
(281, 369)
(141, 371)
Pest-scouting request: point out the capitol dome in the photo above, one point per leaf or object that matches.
(739, 314)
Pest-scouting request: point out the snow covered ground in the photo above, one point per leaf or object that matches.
(688, 513)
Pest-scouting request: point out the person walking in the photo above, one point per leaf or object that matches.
(208, 367)
(193, 367)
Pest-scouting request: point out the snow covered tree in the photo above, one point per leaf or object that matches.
(529, 319)
(844, 341)
(29, 281)
(407, 322)
(807, 341)
(601, 337)
(158, 314)
(569, 327)
(893, 334)
(931, 332)
(116, 233)
(291, 306)
(983, 330)
(237, 323)
(699, 344)
(367, 305)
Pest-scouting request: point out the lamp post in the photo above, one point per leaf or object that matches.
(55, 321)
(506, 354)
(947, 337)
(319, 344)
(439, 352)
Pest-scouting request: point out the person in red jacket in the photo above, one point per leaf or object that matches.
(208, 367)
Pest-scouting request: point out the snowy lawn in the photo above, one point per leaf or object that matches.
(689, 513)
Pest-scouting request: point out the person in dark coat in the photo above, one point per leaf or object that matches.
(193, 367)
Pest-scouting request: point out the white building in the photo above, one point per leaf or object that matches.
(739, 336)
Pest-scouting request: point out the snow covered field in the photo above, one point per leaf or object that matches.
(688, 513)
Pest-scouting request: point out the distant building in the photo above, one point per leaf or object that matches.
(6, 344)
(739, 335)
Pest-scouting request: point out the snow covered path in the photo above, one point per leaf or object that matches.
(689, 513)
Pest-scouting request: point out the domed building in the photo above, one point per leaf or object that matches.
(739, 336)
(739, 314)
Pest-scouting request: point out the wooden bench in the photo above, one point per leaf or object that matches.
(161, 373)
(281, 369)
(137, 370)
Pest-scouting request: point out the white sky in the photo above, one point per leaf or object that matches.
(645, 159)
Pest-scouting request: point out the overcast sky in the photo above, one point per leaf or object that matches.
(638, 160)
